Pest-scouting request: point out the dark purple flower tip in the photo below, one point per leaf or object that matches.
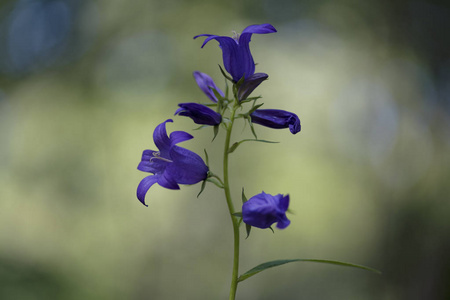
(199, 113)
(206, 84)
(263, 210)
(276, 118)
(171, 165)
(237, 58)
(250, 84)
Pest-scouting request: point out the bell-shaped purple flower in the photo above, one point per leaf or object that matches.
(276, 118)
(250, 84)
(199, 113)
(205, 83)
(237, 58)
(171, 165)
(263, 210)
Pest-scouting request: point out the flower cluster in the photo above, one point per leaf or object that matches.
(172, 165)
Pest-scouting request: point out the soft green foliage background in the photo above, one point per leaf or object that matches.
(367, 175)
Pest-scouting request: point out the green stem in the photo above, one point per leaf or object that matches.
(234, 220)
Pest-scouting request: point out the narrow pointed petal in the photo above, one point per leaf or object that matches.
(205, 83)
(179, 136)
(208, 38)
(260, 29)
(250, 84)
(161, 139)
(144, 186)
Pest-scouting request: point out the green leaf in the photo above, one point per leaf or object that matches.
(226, 89)
(218, 184)
(216, 93)
(238, 214)
(216, 131)
(240, 82)
(225, 74)
(276, 263)
(251, 127)
(206, 157)
(250, 99)
(244, 198)
(235, 145)
(248, 228)
(201, 127)
(209, 104)
(255, 108)
(202, 188)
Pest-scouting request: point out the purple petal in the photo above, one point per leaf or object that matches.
(294, 124)
(165, 180)
(263, 210)
(284, 203)
(247, 63)
(261, 29)
(250, 84)
(283, 222)
(200, 114)
(277, 119)
(187, 167)
(232, 56)
(143, 187)
(237, 58)
(161, 139)
(205, 82)
(147, 155)
(179, 136)
(209, 37)
(149, 166)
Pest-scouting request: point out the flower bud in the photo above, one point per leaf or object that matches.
(276, 118)
(200, 114)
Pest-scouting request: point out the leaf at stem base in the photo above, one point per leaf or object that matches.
(276, 263)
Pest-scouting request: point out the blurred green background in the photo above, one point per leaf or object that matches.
(84, 83)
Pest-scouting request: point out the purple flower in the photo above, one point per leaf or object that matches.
(237, 59)
(201, 114)
(263, 210)
(205, 83)
(276, 118)
(171, 165)
(250, 84)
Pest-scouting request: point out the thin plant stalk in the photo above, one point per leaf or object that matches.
(234, 220)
